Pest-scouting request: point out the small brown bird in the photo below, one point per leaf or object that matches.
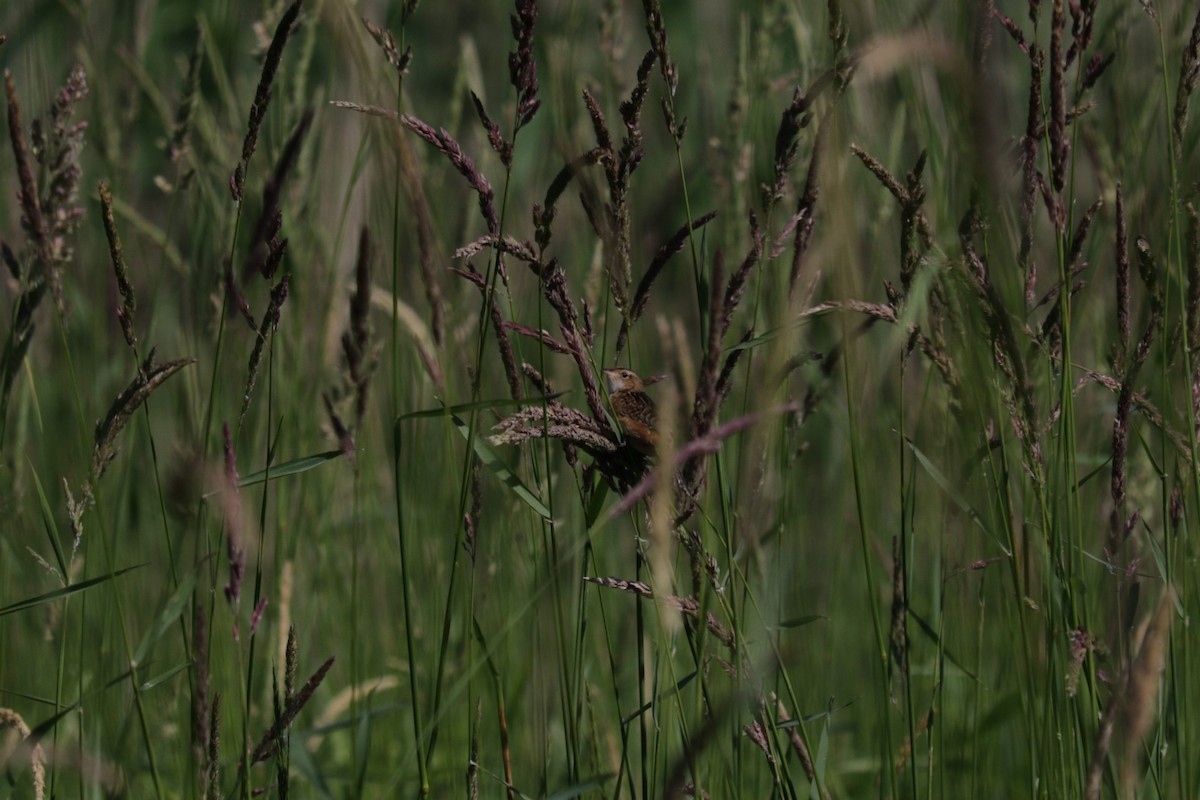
(633, 408)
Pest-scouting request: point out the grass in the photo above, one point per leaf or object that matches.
(311, 486)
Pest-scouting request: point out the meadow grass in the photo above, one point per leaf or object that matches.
(310, 485)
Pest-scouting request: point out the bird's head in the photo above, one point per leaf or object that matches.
(619, 379)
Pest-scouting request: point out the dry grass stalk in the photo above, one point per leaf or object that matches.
(1006, 350)
(270, 323)
(544, 212)
(387, 43)
(129, 305)
(657, 31)
(1060, 147)
(642, 295)
(445, 144)
(806, 206)
(1189, 75)
(1192, 335)
(231, 500)
(356, 342)
(542, 336)
(270, 741)
(32, 220)
(213, 778)
(702, 446)
(265, 250)
(1132, 707)
(522, 68)
(898, 639)
(1029, 170)
(797, 741)
(262, 97)
(201, 702)
(1148, 410)
(757, 734)
(150, 376)
(177, 147)
(688, 606)
(15, 742)
(499, 325)
(410, 179)
(558, 422)
(50, 220)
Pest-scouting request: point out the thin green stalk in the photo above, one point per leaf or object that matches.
(868, 573)
(1180, 707)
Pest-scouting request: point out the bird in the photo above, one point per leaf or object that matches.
(633, 408)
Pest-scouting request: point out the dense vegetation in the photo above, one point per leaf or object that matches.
(310, 484)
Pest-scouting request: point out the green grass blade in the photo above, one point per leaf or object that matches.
(58, 594)
(289, 468)
(492, 461)
(480, 405)
(946, 486)
(48, 524)
(166, 618)
(581, 788)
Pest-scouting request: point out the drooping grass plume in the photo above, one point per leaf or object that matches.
(1060, 147)
(235, 549)
(685, 605)
(125, 313)
(522, 66)
(20, 335)
(178, 145)
(916, 235)
(271, 740)
(50, 217)
(58, 148)
(612, 221)
(32, 219)
(1189, 74)
(108, 430)
(262, 97)
(642, 295)
(1132, 706)
(264, 245)
(265, 333)
(387, 43)
(202, 702)
(15, 743)
(656, 29)
(357, 347)
(213, 761)
(499, 325)
(445, 144)
(806, 204)
(1192, 335)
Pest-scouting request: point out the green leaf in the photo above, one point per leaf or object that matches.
(48, 524)
(933, 635)
(799, 622)
(294, 467)
(163, 677)
(45, 726)
(684, 681)
(595, 504)
(58, 594)
(580, 789)
(480, 405)
(941, 480)
(492, 461)
(775, 333)
(166, 618)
